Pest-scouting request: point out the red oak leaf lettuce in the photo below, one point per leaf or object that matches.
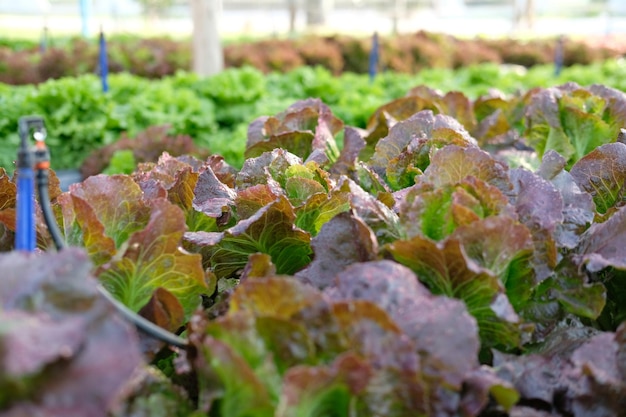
(59, 339)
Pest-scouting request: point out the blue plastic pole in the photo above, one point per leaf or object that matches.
(85, 11)
(559, 56)
(25, 233)
(43, 45)
(104, 63)
(374, 57)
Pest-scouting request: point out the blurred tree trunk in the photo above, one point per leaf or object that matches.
(399, 11)
(208, 57)
(293, 10)
(524, 14)
(317, 12)
(530, 13)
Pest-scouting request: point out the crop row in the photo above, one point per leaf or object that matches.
(215, 111)
(159, 57)
(413, 271)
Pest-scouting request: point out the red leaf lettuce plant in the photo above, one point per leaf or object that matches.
(414, 270)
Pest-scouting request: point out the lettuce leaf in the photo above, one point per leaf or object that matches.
(573, 120)
(153, 259)
(270, 230)
(602, 173)
(59, 339)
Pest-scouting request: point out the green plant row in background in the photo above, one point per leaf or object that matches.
(23, 63)
(215, 112)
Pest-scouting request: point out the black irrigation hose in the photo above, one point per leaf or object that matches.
(144, 325)
(42, 180)
(141, 323)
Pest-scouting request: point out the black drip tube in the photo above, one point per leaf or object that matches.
(151, 329)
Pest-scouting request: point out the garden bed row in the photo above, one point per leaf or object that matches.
(213, 113)
(444, 261)
(160, 57)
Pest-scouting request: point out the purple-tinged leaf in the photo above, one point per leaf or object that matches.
(270, 230)
(620, 339)
(181, 192)
(452, 164)
(578, 205)
(297, 143)
(480, 386)
(211, 196)
(422, 317)
(491, 128)
(377, 215)
(575, 293)
(407, 150)
(615, 111)
(252, 199)
(577, 376)
(268, 168)
(256, 130)
(533, 376)
(225, 376)
(176, 181)
(224, 172)
(342, 241)
(437, 212)
(279, 297)
(82, 228)
(287, 340)
(32, 341)
(259, 266)
(544, 128)
(8, 219)
(391, 286)
(307, 129)
(495, 243)
(164, 171)
(570, 120)
(150, 393)
(602, 173)
(371, 333)
(414, 140)
(389, 114)
(353, 144)
(8, 191)
(116, 201)
(302, 115)
(459, 106)
(8, 197)
(453, 103)
(314, 391)
(295, 321)
(154, 259)
(540, 207)
(152, 188)
(401, 171)
(243, 334)
(320, 208)
(447, 269)
(54, 185)
(602, 389)
(603, 245)
(370, 181)
(164, 310)
(299, 190)
(51, 300)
